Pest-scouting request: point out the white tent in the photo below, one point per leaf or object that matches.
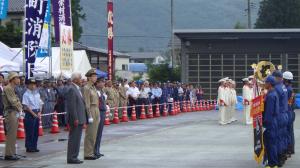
(81, 63)
(8, 60)
(8, 66)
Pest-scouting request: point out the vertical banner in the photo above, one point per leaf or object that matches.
(45, 42)
(110, 40)
(61, 15)
(3, 9)
(256, 111)
(66, 48)
(34, 20)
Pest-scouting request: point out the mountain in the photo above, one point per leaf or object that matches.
(145, 24)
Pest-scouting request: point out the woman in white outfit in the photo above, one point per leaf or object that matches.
(221, 101)
(247, 98)
(233, 101)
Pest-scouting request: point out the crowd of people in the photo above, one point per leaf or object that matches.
(80, 101)
(278, 114)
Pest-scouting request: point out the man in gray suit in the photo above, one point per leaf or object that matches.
(76, 118)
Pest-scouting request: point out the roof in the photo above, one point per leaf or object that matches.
(237, 33)
(16, 5)
(137, 67)
(144, 55)
(79, 46)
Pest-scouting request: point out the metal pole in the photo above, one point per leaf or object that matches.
(249, 15)
(172, 34)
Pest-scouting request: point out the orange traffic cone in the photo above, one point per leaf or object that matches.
(2, 133)
(21, 131)
(143, 114)
(188, 106)
(201, 107)
(157, 112)
(124, 115)
(173, 112)
(165, 112)
(133, 114)
(41, 132)
(184, 107)
(150, 111)
(215, 104)
(205, 105)
(107, 121)
(198, 105)
(178, 107)
(116, 116)
(54, 128)
(211, 106)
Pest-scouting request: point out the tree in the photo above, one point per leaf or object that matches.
(279, 14)
(239, 25)
(163, 73)
(77, 15)
(10, 35)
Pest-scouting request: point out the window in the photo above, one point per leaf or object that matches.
(124, 67)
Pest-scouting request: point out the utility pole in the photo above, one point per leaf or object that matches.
(249, 15)
(172, 34)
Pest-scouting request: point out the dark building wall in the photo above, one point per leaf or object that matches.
(206, 61)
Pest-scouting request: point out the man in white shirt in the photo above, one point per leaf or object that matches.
(221, 101)
(156, 95)
(132, 94)
(247, 97)
(233, 101)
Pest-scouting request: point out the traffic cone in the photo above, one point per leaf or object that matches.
(2, 133)
(41, 132)
(150, 111)
(211, 106)
(116, 116)
(157, 112)
(124, 115)
(205, 105)
(188, 106)
(54, 128)
(184, 107)
(178, 107)
(21, 131)
(133, 114)
(143, 114)
(193, 107)
(107, 121)
(165, 112)
(215, 104)
(201, 107)
(173, 112)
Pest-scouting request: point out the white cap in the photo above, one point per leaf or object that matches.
(251, 77)
(245, 80)
(288, 75)
(222, 80)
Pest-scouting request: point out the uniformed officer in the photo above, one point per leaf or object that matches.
(92, 106)
(233, 101)
(100, 84)
(270, 115)
(109, 91)
(116, 97)
(288, 78)
(32, 104)
(122, 96)
(12, 111)
(283, 117)
(247, 97)
(221, 101)
(20, 89)
(49, 101)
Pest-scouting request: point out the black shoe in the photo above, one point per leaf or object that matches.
(75, 161)
(11, 158)
(36, 150)
(91, 158)
(99, 155)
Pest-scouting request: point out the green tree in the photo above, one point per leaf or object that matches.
(279, 14)
(10, 35)
(239, 25)
(77, 15)
(163, 73)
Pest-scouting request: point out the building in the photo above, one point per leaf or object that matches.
(208, 55)
(15, 13)
(146, 57)
(98, 57)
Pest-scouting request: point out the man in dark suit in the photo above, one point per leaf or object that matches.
(76, 118)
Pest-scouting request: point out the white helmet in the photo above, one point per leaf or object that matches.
(288, 75)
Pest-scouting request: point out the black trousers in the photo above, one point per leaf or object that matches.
(74, 142)
(99, 133)
(131, 102)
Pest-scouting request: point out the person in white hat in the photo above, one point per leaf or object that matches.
(233, 101)
(247, 98)
(221, 101)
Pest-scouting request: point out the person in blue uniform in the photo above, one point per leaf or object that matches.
(282, 118)
(164, 96)
(288, 78)
(32, 103)
(270, 114)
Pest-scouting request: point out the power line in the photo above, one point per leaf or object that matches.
(127, 36)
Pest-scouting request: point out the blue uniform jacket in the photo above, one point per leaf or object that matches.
(271, 110)
(283, 104)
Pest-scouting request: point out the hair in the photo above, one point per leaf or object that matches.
(75, 75)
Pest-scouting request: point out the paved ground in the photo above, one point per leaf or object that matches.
(188, 140)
